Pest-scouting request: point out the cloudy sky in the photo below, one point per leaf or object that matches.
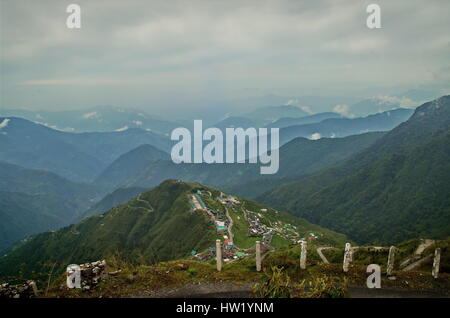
(159, 54)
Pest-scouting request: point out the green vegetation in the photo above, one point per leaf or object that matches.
(33, 201)
(240, 229)
(113, 199)
(281, 277)
(23, 215)
(170, 231)
(275, 286)
(278, 241)
(322, 287)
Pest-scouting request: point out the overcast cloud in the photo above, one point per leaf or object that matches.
(154, 53)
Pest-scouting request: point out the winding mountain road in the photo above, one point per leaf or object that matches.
(230, 233)
(146, 202)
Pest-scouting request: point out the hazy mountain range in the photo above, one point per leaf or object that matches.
(382, 178)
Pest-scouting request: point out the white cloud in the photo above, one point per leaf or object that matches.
(67, 129)
(90, 115)
(207, 47)
(315, 136)
(401, 101)
(306, 109)
(344, 110)
(295, 102)
(291, 102)
(4, 123)
(137, 122)
(122, 128)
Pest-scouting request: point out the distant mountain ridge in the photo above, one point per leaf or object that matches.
(130, 163)
(77, 156)
(95, 119)
(311, 119)
(271, 113)
(299, 157)
(342, 127)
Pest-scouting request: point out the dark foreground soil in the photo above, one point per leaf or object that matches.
(229, 290)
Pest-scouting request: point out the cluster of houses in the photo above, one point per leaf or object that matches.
(229, 251)
(221, 221)
(229, 201)
(311, 236)
(256, 227)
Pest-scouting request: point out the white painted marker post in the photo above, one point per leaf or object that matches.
(33, 285)
(73, 276)
(346, 263)
(390, 264)
(436, 262)
(303, 255)
(219, 255)
(258, 256)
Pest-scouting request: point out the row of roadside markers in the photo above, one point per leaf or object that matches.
(348, 258)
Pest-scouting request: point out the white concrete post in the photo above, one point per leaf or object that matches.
(350, 255)
(219, 255)
(34, 287)
(303, 255)
(390, 264)
(73, 276)
(436, 262)
(346, 263)
(258, 256)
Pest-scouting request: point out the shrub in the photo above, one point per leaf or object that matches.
(274, 286)
(322, 287)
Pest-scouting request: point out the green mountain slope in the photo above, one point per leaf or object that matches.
(130, 163)
(22, 215)
(113, 199)
(158, 225)
(18, 179)
(395, 190)
(33, 201)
